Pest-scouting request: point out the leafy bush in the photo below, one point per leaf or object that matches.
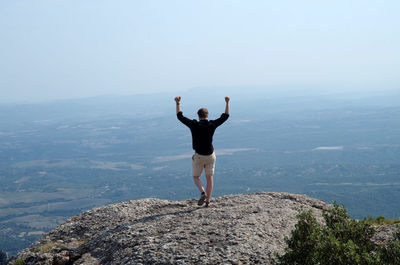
(339, 241)
(19, 262)
(48, 247)
(380, 220)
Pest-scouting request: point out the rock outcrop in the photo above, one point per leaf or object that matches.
(235, 229)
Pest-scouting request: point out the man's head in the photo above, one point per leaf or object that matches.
(203, 113)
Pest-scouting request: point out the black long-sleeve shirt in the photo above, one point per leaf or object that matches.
(202, 132)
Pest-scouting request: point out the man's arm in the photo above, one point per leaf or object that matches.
(179, 114)
(224, 116)
(227, 105)
(178, 104)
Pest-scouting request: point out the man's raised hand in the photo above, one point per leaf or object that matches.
(178, 105)
(227, 105)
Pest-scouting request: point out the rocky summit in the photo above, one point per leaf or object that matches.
(235, 229)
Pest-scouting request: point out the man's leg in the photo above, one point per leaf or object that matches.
(209, 169)
(209, 187)
(197, 170)
(198, 183)
(198, 166)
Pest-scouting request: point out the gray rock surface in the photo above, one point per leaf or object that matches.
(235, 229)
(384, 233)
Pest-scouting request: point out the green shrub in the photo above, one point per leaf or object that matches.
(303, 242)
(48, 247)
(340, 241)
(380, 220)
(19, 262)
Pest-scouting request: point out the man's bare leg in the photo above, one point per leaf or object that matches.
(209, 187)
(198, 183)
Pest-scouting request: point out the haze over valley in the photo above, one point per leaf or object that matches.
(62, 157)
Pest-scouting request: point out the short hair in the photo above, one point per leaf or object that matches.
(203, 113)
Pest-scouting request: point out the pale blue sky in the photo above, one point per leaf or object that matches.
(78, 48)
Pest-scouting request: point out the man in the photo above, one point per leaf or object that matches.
(204, 156)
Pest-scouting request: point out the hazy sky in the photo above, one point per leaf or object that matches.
(77, 48)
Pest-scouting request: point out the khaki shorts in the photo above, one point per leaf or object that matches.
(201, 161)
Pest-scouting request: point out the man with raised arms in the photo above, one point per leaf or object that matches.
(202, 137)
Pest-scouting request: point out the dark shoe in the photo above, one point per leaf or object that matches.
(202, 199)
(207, 204)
